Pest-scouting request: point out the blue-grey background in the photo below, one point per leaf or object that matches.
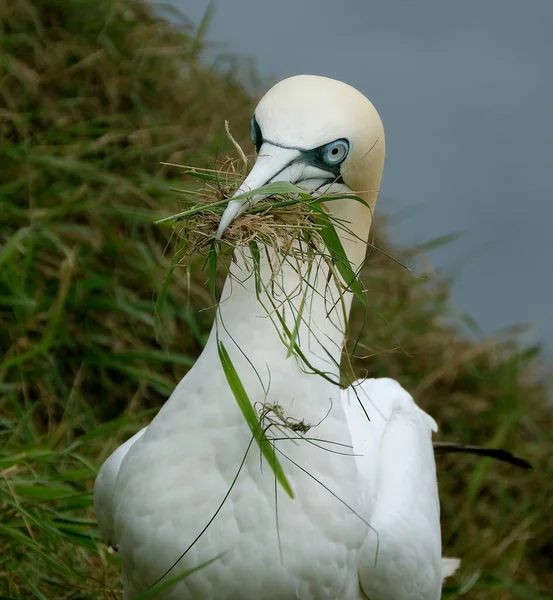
(465, 90)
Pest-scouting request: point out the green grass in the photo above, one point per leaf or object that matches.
(94, 94)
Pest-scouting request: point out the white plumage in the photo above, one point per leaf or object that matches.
(365, 517)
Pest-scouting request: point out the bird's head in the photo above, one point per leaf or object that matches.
(317, 132)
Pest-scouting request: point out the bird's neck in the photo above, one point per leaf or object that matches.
(284, 310)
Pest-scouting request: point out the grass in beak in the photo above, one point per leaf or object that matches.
(291, 221)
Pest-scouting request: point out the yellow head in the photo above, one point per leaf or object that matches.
(318, 132)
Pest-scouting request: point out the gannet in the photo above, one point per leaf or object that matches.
(364, 519)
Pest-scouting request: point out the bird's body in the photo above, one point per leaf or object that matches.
(177, 475)
(193, 488)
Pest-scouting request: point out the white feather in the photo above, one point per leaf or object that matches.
(401, 557)
(104, 489)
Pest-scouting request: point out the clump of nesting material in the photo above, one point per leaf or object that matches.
(286, 216)
(294, 223)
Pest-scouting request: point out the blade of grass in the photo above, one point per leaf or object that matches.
(254, 250)
(339, 257)
(212, 258)
(163, 585)
(190, 212)
(299, 316)
(251, 418)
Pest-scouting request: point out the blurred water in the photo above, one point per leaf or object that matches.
(465, 91)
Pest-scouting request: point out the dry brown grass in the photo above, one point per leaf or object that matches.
(268, 224)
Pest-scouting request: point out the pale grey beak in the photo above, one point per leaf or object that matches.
(273, 164)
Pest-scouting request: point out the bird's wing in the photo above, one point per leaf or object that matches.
(104, 488)
(401, 558)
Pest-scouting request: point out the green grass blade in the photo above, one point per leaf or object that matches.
(256, 257)
(292, 344)
(340, 196)
(40, 492)
(190, 212)
(251, 418)
(10, 246)
(275, 188)
(212, 258)
(163, 585)
(332, 240)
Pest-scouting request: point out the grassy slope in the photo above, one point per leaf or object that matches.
(93, 94)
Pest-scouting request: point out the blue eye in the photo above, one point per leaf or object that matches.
(335, 152)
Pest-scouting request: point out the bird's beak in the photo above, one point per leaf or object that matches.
(273, 164)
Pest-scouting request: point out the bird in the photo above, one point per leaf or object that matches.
(191, 495)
